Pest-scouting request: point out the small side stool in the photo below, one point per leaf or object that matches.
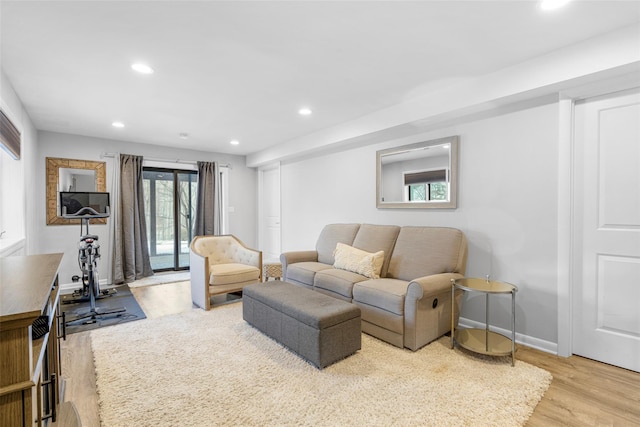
(271, 269)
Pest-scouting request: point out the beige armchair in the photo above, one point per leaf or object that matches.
(220, 265)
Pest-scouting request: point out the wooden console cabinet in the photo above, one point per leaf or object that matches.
(30, 386)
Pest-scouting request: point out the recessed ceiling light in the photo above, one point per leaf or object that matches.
(234, 142)
(183, 135)
(117, 124)
(552, 4)
(142, 68)
(304, 111)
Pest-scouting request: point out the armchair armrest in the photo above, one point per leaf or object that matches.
(199, 268)
(248, 256)
(428, 286)
(243, 254)
(288, 258)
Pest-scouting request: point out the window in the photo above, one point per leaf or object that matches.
(9, 136)
(435, 191)
(426, 185)
(12, 194)
(170, 200)
(417, 192)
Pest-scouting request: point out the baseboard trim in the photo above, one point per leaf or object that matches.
(529, 341)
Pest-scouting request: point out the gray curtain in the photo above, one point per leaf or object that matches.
(131, 253)
(208, 201)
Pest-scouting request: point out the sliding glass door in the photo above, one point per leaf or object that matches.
(170, 201)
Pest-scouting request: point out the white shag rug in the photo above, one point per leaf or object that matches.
(212, 369)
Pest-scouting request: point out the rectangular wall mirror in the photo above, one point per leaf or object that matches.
(72, 175)
(423, 175)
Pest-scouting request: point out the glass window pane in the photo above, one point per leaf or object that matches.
(158, 186)
(187, 201)
(164, 224)
(417, 192)
(170, 200)
(438, 191)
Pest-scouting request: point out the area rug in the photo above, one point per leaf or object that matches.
(121, 299)
(212, 369)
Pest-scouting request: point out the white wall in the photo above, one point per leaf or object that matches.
(15, 201)
(64, 238)
(507, 207)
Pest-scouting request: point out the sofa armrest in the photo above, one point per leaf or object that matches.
(427, 286)
(427, 310)
(288, 258)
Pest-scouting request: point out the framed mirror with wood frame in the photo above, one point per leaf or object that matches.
(72, 175)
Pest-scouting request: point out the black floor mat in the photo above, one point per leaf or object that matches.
(121, 299)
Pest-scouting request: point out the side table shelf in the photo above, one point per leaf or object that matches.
(484, 341)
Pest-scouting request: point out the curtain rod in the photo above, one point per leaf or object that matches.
(156, 159)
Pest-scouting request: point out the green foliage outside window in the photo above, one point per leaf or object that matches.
(437, 191)
(417, 192)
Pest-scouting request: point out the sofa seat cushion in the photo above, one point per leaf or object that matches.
(304, 272)
(337, 281)
(387, 294)
(224, 274)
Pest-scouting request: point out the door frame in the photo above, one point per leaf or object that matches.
(566, 232)
(261, 201)
(567, 254)
(176, 213)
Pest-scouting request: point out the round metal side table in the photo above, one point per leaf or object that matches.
(485, 341)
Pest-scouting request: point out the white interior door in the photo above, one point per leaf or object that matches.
(270, 213)
(606, 297)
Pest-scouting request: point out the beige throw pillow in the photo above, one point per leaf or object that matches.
(358, 261)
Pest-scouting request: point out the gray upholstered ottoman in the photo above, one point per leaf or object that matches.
(317, 327)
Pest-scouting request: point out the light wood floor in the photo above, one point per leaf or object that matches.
(583, 392)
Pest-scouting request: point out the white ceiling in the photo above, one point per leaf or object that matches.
(241, 70)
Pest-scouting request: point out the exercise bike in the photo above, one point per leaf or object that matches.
(88, 256)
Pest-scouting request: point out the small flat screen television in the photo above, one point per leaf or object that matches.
(75, 201)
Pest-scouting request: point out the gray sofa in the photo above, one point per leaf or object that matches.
(409, 305)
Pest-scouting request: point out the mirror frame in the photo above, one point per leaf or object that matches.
(54, 165)
(453, 175)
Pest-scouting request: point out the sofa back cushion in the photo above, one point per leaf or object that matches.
(330, 236)
(423, 251)
(374, 238)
